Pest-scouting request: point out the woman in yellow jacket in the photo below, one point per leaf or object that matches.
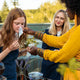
(69, 42)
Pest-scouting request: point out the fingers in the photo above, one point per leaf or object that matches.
(28, 31)
(15, 45)
(28, 49)
(25, 30)
(32, 50)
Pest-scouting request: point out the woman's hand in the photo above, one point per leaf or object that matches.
(32, 50)
(28, 31)
(14, 45)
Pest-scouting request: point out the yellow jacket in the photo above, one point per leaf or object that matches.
(70, 43)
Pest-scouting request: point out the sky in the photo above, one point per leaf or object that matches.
(26, 4)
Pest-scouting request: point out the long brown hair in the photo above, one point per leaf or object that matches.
(52, 29)
(8, 33)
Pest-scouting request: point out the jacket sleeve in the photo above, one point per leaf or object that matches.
(55, 41)
(69, 50)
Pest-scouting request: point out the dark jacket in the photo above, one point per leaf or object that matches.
(49, 68)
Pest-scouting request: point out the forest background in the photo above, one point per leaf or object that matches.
(44, 14)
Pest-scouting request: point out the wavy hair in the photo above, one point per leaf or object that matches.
(65, 27)
(7, 31)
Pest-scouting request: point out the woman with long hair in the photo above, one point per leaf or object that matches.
(56, 18)
(59, 26)
(9, 41)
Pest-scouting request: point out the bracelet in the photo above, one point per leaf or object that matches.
(40, 52)
(38, 35)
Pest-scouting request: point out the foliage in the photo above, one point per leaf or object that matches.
(4, 11)
(0, 20)
(72, 64)
(49, 9)
(61, 68)
(29, 42)
(22, 65)
(44, 14)
(15, 3)
(0, 17)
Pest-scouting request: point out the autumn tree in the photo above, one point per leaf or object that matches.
(49, 9)
(15, 3)
(4, 11)
(45, 13)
